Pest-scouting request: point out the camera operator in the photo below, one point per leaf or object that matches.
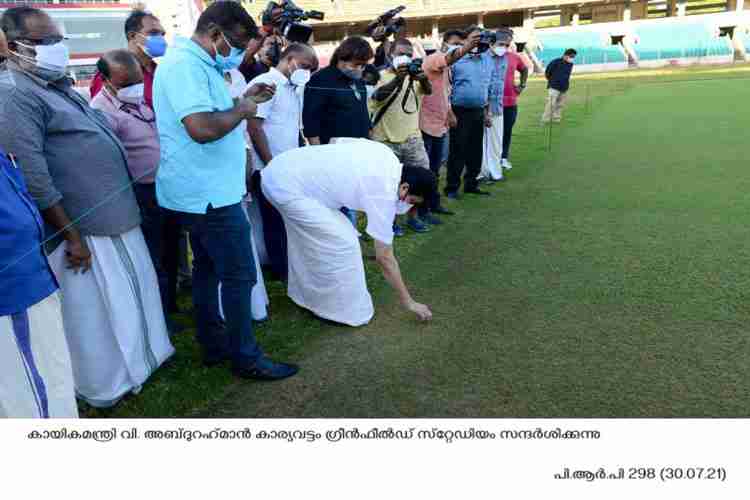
(262, 54)
(470, 104)
(386, 41)
(384, 30)
(395, 109)
(436, 116)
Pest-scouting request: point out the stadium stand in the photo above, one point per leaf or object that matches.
(594, 48)
(679, 40)
(609, 35)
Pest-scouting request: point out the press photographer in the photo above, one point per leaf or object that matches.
(284, 19)
(395, 107)
(384, 30)
(437, 116)
(471, 80)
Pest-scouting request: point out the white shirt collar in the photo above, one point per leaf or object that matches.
(278, 75)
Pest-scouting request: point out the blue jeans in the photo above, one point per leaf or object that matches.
(434, 147)
(220, 240)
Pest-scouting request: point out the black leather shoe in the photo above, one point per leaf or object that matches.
(266, 370)
(478, 192)
(443, 211)
(212, 360)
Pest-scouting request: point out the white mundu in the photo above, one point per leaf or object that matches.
(113, 317)
(309, 186)
(493, 150)
(36, 378)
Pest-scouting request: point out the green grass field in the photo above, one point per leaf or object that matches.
(607, 278)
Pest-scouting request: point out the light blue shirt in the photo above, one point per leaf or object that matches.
(497, 84)
(192, 176)
(471, 80)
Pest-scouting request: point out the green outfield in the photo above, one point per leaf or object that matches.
(608, 277)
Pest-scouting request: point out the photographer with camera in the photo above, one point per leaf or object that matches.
(470, 104)
(262, 54)
(283, 19)
(436, 116)
(384, 30)
(395, 107)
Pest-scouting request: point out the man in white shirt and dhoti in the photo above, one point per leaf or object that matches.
(308, 187)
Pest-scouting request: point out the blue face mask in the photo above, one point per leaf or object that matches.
(232, 61)
(156, 46)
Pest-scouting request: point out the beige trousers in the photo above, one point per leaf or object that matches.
(555, 102)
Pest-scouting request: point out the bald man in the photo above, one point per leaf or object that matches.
(276, 129)
(122, 100)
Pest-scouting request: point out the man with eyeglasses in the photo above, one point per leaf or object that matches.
(122, 101)
(76, 170)
(202, 177)
(146, 42)
(32, 339)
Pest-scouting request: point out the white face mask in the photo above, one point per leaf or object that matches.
(400, 61)
(132, 94)
(370, 91)
(402, 207)
(50, 61)
(451, 48)
(300, 77)
(500, 50)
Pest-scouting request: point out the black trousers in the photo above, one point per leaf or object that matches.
(171, 233)
(510, 113)
(274, 231)
(153, 219)
(466, 148)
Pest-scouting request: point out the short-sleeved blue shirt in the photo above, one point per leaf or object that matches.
(471, 80)
(192, 176)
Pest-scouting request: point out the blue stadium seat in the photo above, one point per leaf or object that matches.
(678, 40)
(592, 47)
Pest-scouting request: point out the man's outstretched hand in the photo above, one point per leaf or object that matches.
(422, 311)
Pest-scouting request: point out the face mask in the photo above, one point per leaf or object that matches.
(300, 77)
(156, 46)
(500, 51)
(402, 207)
(131, 95)
(370, 91)
(232, 61)
(400, 61)
(50, 61)
(352, 74)
(450, 48)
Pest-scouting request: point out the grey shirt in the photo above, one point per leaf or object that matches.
(67, 152)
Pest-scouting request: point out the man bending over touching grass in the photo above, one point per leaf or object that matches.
(308, 186)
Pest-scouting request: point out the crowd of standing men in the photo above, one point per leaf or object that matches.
(208, 142)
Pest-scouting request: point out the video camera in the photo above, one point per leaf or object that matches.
(388, 20)
(487, 38)
(415, 67)
(288, 20)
